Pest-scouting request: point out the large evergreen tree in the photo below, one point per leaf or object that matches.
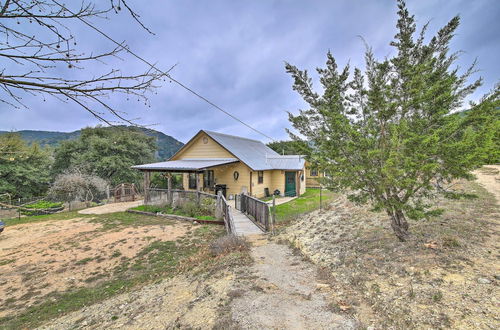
(108, 152)
(386, 135)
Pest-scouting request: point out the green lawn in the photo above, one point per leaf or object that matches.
(308, 202)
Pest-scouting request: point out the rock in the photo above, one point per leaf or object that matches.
(196, 223)
(483, 280)
(322, 286)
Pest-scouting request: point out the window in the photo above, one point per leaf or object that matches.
(192, 180)
(314, 172)
(260, 175)
(208, 179)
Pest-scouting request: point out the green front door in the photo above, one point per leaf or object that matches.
(290, 184)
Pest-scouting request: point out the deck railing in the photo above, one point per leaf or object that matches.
(255, 209)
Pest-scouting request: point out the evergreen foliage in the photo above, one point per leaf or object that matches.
(289, 147)
(386, 135)
(24, 169)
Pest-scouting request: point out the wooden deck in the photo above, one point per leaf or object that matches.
(243, 225)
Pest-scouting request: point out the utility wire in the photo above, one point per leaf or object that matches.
(163, 73)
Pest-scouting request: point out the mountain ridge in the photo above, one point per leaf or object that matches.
(167, 145)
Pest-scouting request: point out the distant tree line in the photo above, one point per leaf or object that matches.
(100, 154)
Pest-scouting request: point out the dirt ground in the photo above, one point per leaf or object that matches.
(445, 276)
(489, 178)
(111, 208)
(181, 302)
(40, 258)
(282, 291)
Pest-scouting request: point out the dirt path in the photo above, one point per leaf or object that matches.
(111, 208)
(489, 177)
(281, 292)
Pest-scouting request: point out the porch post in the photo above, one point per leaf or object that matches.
(146, 186)
(169, 188)
(198, 186)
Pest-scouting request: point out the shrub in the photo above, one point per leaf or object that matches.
(227, 244)
(75, 185)
(207, 207)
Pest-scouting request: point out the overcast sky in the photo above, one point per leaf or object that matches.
(233, 53)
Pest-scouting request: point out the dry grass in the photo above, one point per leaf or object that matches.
(431, 281)
(229, 243)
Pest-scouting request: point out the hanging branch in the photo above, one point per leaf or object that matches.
(32, 62)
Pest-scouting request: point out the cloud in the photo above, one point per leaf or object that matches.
(233, 53)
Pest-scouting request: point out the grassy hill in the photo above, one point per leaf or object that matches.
(167, 145)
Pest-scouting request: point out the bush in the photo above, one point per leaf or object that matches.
(207, 207)
(227, 244)
(75, 185)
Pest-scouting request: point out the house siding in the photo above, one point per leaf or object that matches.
(312, 181)
(198, 149)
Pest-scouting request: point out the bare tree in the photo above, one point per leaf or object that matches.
(75, 185)
(38, 42)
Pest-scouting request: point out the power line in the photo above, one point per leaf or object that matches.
(163, 73)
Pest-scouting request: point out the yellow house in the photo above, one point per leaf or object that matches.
(313, 174)
(213, 161)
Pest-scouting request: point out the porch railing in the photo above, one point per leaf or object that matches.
(225, 212)
(255, 209)
(175, 197)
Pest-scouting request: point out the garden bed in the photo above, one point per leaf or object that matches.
(42, 207)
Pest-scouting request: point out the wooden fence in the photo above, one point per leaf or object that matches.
(225, 212)
(173, 196)
(176, 197)
(257, 210)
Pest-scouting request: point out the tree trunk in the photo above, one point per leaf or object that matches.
(399, 224)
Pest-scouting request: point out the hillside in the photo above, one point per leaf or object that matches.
(167, 145)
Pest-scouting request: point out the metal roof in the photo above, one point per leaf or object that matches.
(291, 162)
(253, 153)
(186, 164)
(256, 154)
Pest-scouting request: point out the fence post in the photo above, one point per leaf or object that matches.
(218, 208)
(273, 214)
(122, 192)
(320, 198)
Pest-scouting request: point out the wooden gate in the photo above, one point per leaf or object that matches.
(255, 209)
(125, 192)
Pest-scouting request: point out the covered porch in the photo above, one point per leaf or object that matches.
(197, 171)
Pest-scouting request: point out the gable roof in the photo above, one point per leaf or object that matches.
(253, 153)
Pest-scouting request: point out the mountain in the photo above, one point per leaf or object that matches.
(167, 145)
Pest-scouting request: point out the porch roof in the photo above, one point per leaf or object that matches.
(194, 164)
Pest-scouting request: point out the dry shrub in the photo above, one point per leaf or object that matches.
(227, 244)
